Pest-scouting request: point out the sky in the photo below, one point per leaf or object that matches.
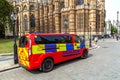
(112, 6)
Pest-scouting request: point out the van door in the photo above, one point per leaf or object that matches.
(66, 46)
(23, 55)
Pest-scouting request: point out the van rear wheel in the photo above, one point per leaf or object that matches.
(47, 65)
(84, 54)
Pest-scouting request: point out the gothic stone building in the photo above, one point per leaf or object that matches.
(60, 16)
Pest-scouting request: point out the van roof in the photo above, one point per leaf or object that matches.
(42, 34)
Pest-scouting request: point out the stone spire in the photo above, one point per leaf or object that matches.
(102, 2)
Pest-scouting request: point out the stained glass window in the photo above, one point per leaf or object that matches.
(32, 21)
(25, 23)
(80, 2)
(32, 7)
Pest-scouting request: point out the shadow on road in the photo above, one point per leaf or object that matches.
(60, 64)
(90, 55)
(37, 71)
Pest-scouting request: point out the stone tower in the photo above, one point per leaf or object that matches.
(92, 15)
(102, 15)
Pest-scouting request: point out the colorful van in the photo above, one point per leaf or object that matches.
(43, 51)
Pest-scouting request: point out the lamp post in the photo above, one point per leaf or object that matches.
(84, 22)
(13, 18)
(65, 25)
(90, 38)
(118, 21)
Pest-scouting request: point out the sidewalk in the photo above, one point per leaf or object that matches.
(7, 61)
(93, 44)
(110, 40)
(93, 47)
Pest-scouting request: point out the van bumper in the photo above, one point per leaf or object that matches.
(30, 67)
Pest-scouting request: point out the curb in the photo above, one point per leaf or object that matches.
(6, 54)
(10, 68)
(93, 47)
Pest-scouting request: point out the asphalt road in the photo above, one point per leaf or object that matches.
(103, 63)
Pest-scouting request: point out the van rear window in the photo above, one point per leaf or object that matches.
(52, 39)
(23, 41)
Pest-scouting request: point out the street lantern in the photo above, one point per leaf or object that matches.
(90, 37)
(65, 25)
(14, 18)
(118, 21)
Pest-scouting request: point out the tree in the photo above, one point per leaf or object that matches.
(113, 29)
(5, 11)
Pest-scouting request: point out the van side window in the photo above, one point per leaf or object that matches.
(38, 40)
(23, 41)
(52, 39)
(67, 39)
(77, 39)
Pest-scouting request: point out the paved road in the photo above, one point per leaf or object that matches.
(103, 63)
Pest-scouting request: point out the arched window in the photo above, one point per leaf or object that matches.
(80, 2)
(65, 22)
(32, 8)
(53, 7)
(25, 23)
(25, 8)
(32, 21)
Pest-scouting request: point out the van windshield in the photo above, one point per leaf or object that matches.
(23, 41)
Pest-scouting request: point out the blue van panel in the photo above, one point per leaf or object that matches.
(50, 48)
(69, 47)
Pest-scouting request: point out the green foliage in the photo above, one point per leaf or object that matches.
(113, 29)
(6, 45)
(5, 11)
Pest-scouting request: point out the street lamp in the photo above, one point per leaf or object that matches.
(84, 22)
(14, 18)
(90, 38)
(118, 21)
(65, 25)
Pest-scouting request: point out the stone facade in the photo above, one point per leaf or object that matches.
(60, 16)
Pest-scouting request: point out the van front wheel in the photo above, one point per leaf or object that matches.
(84, 54)
(47, 65)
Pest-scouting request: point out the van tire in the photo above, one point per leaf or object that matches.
(84, 54)
(47, 65)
